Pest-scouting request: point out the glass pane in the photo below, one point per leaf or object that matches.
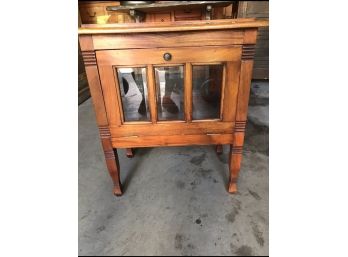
(170, 96)
(206, 91)
(134, 96)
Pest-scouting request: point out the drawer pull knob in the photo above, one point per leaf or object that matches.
(167, 56)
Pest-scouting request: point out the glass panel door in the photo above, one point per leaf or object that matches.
(134, 95)
(206, 91)
(169, 92)
(195, 84)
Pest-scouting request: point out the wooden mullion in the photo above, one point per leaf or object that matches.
(223, 92)
(151, 84)
(188, 92)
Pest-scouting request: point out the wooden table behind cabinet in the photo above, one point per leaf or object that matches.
(206, 66)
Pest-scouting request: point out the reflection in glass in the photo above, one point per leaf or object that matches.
(134, 96)
(206, 91)
(169, 91)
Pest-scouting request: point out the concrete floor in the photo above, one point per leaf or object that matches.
(175, 200)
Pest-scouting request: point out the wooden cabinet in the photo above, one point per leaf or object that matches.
(170, 84)
(152, 103)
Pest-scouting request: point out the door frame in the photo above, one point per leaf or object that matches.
(107, 60)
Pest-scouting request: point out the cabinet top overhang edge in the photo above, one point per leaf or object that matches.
(172, 26)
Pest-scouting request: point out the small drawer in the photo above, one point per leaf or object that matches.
(162, 17)
(188, 14)
(90, 14)
(169, 56)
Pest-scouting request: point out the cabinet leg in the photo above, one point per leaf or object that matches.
(111, 159)
(129, 152)
(234, 166)
(219, 149)
(236, 151)
(113, 166)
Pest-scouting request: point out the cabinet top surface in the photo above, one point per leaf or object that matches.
(172, 26)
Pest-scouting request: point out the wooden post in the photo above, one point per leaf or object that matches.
(236, 150)
(111, 157)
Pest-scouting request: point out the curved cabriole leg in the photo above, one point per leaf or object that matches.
(219, 149)
(129, 152)
(111, 158)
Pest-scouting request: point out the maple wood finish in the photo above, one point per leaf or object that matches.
(108, 48)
